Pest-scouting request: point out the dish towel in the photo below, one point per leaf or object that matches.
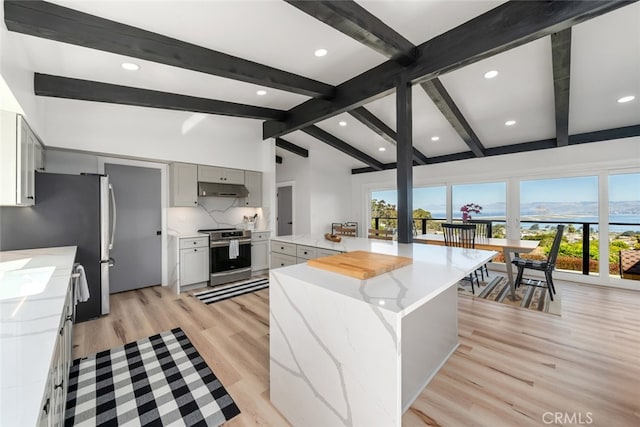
(81, 285)
(234, 248)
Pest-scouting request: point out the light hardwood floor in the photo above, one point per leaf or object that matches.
(513, 365)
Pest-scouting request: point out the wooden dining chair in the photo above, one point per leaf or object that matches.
(461, 236)
(345, 229)
(484, 229)
(547, 265)
(380, 234)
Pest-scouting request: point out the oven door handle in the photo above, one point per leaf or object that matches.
(224, 243)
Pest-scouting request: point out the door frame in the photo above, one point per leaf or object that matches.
(291, 184)
(164, 201)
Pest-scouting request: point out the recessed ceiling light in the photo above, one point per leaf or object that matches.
(130, 66)
(490, 74)
(435, 138)
(382, 149)
(320, 52)
(510, 123)
(343, 124)
(624, 99)
(261, 92)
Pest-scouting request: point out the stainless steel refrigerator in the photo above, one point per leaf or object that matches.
(70, 210)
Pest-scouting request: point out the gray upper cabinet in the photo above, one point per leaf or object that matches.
(253, 182)
(184, 184)
(222, 175)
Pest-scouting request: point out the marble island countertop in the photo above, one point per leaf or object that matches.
(33, 287)
(434, 269)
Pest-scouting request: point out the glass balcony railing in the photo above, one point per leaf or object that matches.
(580, 248)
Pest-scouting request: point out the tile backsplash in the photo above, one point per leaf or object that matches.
(215, 212)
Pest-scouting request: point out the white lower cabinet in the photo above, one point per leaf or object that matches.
(284, 254)
(259, 250)
(194, 260)
(55, 396)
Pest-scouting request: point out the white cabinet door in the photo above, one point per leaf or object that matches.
(17, 160)
(184, 185)
(222, 175)
(210, 174)
(233, 176)
(259, 255)
(194, 265)
(253, 182)
(27, 142)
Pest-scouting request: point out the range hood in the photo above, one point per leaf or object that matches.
(214, 189)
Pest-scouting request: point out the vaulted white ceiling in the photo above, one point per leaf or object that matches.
(605, 65)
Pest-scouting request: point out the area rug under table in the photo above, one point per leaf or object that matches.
(496, 288)
(161, 380)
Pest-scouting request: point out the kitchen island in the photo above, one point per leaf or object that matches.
(355, 352)
(35, 334)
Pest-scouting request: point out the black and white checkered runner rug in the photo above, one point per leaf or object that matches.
(220, 293)
(161, 380)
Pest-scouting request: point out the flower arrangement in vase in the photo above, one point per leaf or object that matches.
(468, 209)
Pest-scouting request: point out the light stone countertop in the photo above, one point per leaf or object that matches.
(187, 235)
(33, 287)
(434, 269)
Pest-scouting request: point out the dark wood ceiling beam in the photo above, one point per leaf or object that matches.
(85, 90)
(605, 135)
(507, 26)
(351, 19)
(368, 119)
(441, 98)
(544, 144)
(561, 58)
(404, 156)
(54, 22)
(340, 145)
(293, 148)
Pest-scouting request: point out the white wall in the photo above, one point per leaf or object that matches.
(16, 71)
(155, 134)
(297, 170)
(322, 188)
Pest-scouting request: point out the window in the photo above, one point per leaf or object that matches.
(545, 203)
(428, 203)
(624, 218)
(490, 197)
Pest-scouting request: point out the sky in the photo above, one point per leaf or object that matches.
(622, 187)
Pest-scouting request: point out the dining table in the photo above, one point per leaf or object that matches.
(508, 247)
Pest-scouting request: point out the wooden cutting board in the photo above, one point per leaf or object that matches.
(360, 264)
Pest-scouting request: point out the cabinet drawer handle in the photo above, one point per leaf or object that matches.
(282, 264)
(45, 408)
(195, 249)
(68, 318)
(59, 385)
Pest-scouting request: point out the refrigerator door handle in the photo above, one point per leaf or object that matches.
(113, 207)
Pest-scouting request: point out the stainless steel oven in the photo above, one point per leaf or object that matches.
(225, 264)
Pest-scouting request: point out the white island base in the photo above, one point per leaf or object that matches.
(348, 352)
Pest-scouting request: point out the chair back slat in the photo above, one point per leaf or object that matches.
(555, 247)
(484, 227)
(459, 235)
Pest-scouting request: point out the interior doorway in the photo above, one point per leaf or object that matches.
(137, 242)
(284, 217)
